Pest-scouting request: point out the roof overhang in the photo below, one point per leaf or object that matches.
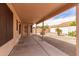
(57, 11)
(38, 12)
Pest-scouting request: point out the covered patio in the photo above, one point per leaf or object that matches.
(24, 42)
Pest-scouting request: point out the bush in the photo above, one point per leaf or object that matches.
(73, 33)
(45, 27)
(59, 31)
(73, 23)
(43, 31)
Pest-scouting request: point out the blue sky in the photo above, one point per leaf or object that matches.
(69, 12)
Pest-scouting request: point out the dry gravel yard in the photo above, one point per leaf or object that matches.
(65, 38)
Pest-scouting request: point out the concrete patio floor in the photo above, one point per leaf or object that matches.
(34, 46)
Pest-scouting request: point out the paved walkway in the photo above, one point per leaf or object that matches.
(34, 46)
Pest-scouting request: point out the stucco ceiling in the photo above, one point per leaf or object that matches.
(33, 12)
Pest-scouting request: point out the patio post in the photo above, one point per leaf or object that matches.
(29, 31)
(36, 29)
(77, 28)
(21, 29)
(42, 30)
(31, 28)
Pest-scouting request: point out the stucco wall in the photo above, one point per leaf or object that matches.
(77, 41)
(6, 48)
(26, 29)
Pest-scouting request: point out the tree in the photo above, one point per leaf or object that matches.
(44, 28)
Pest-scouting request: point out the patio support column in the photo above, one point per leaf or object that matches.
(31, 28)
(43, 30)
(36, 29)
(77, 39)
(21, 29)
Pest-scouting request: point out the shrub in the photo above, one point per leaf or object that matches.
(73, 23)
(59, 31)
(73, 33)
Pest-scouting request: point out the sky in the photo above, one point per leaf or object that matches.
(68, 15)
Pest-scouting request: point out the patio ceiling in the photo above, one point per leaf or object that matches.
(38, 12)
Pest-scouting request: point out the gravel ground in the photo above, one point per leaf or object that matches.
(64, 43)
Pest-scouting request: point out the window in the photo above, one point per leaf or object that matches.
(20, 28)
(6, 24)
(17, 25)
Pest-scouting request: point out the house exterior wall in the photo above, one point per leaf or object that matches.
(6, 48)
(26, 29)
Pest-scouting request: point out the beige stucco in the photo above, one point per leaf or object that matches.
(26, 31)
(77, 41)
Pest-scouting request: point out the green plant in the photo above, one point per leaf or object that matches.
(73, 33)
(73, 23)
(59, 31)
(45, 27)
(43, 32)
